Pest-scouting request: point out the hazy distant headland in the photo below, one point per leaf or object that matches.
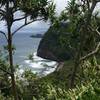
(36, 36)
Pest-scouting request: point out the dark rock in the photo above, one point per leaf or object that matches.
(51, 47)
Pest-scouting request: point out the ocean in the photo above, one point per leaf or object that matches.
(25, 45)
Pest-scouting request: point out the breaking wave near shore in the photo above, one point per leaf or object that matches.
(38, 65)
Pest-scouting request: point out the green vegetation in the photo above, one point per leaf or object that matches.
(31, 10)
(75, 33)
(54, 42)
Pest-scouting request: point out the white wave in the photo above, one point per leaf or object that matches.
(21, 71)
(49, 71)
(36, 65)
(40, 65)
(36, 58)
(27, 61)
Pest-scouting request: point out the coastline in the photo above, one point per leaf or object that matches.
(39, 66)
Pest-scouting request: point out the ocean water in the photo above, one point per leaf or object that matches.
(26, 45)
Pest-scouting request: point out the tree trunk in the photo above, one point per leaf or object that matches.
(9, 18)
(76, 66)
(14, 91)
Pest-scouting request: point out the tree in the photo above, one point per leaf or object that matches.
(4, 77)
(34, 10)
(84, 32)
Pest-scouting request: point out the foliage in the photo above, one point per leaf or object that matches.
(55, 85)
(88, 92)
(31, 10)
(2, 97)
(82, 40)
(4, 77)
(30, 57)
(54, 45)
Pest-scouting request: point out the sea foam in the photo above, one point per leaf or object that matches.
(40, 66)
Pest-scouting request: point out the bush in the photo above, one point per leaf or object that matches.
(5, 98)
(88, 92)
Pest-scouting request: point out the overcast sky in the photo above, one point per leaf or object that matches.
(39, 26)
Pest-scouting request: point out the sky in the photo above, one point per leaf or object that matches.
(39, 25)
(60, 5)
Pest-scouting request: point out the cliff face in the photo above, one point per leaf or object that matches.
(53, 46)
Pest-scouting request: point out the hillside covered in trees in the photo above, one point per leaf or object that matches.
(73, 41)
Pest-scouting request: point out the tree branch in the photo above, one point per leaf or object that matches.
(93, 6)
(94, 30)
(25, 18)
(91, 53)
(88, 4)
(25, 25)
(5, 71)
(21, 27)
(2, 14)
(19, 19)
(4, 35)
(2, 11)
(97, 32)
